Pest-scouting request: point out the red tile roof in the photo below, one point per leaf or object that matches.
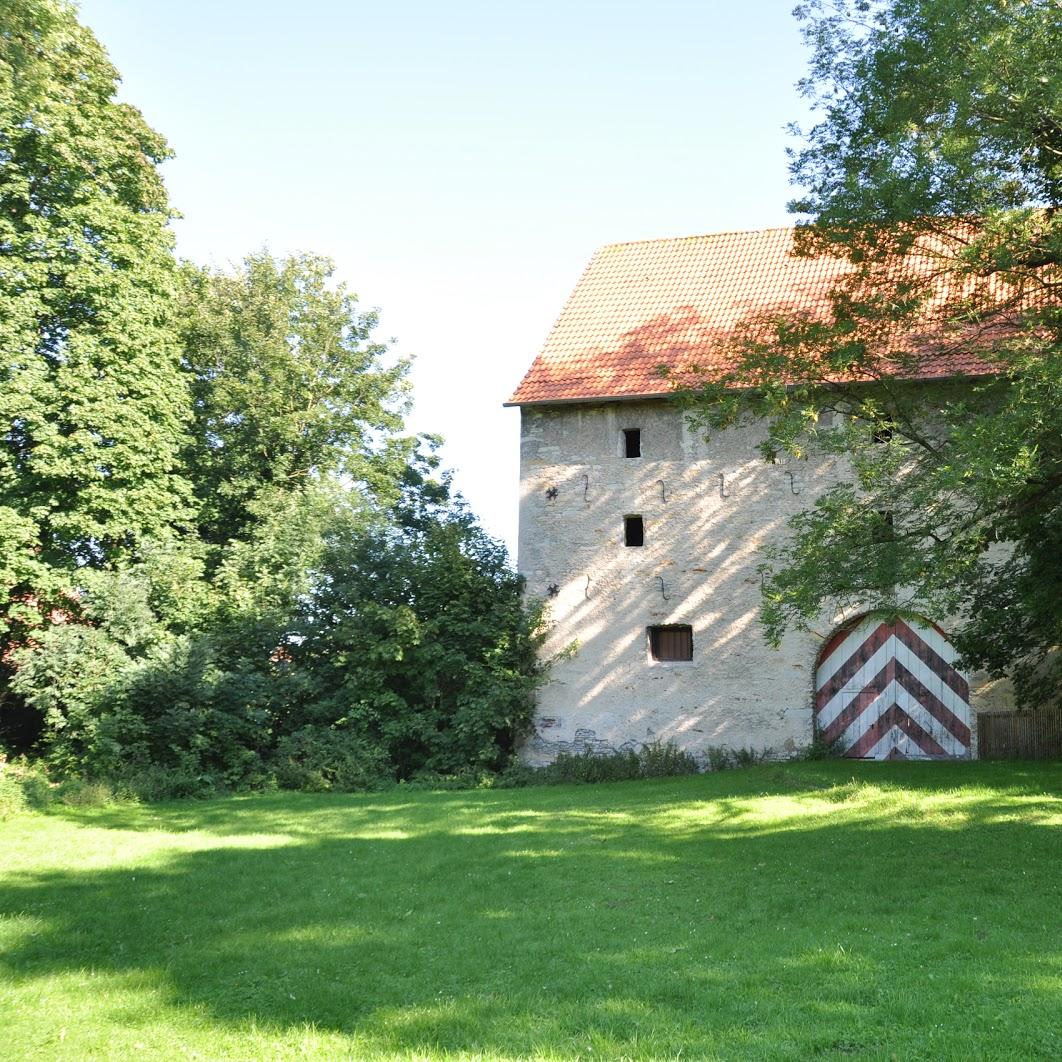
(670, 302)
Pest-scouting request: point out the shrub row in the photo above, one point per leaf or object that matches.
(334, 763)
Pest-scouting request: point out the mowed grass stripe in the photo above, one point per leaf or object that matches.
(809, 910)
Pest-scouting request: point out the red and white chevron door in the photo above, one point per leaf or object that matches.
(887, 691)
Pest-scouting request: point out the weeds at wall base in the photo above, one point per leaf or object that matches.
(25, 784)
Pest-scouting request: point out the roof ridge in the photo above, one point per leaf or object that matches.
(697, 236)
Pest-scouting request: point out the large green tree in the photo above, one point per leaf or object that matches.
(290, 388)
(934, 169)
(93, 403)
(223, 561)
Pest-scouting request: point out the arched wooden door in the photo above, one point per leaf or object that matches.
(890, 690)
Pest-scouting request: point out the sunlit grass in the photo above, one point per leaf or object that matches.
(813, 910)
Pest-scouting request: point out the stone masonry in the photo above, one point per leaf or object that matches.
(707, 507)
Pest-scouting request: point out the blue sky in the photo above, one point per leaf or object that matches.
(460, 162)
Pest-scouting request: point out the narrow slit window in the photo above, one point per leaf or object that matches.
(632, 442)
(885, 529)
(633, 531)
(671, 643)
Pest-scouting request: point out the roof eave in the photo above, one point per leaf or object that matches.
(587, 399)
(648, 395)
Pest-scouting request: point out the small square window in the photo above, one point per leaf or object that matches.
(633, 531)
(632, 442)
(671, 643)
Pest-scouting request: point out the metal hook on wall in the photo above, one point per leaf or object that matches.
(723, 492)
(792, 482)
(663, 490)
(663, 590)
(586, 592)
(586, 487)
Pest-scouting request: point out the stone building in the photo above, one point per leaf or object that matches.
(643, 537)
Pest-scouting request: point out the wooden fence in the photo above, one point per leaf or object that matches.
(1033, 735)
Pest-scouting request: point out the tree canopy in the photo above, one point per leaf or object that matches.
(224, 561)
(288, 386)
(92, 398)
(934, 168)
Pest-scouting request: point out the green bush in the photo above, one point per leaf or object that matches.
(719, 758)
(655, 760)
(418, 640)
(12, 796)
(724, 758)
(432, 781)
(750, 757)
(662, 760)
(87, 793)
(595, 767)
(73, 675)
(24, 786)
(405, 651)
(821, 749)
(155, 783)
(323, 759)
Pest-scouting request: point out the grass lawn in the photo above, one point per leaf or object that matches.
(813, 910)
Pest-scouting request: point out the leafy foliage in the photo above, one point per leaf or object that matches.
(223, 562)
(92, 399)
(91, 394)
(289, 387)
(653, 760)
(935, 170)
(929, 109)
(376, 652)
(321, 759)
(418, 639)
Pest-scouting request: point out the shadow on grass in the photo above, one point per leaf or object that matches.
(808, 910)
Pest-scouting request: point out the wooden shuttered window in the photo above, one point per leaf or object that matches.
(671, 643)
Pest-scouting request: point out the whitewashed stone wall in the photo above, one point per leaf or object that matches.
(707, 507)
